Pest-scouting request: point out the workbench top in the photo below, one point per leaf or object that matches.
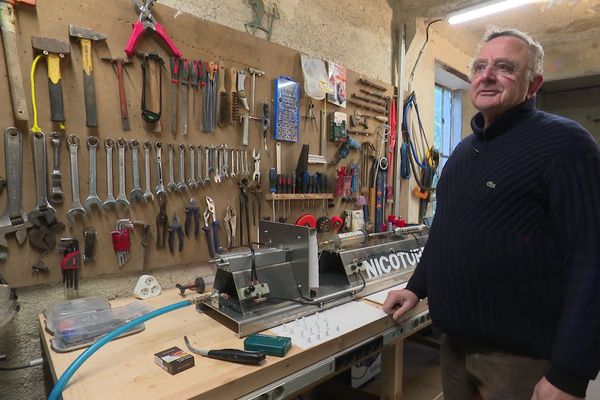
(125, 369)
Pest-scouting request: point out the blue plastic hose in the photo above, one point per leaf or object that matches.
(66, 376)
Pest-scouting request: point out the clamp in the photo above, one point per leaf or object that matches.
(256, 157)
(147, 21)
(230, 226)
(175, 228)
(192, 211)
(161, 225)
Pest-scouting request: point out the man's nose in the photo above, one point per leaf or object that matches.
(488, 73)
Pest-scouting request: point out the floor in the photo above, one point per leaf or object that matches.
(422, 377)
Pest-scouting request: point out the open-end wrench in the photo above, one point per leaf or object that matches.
(148, 196)
(57, 196)
(207, 157)
(233, 173)
(122, 197)
(225, 164)
(246, 162)
(199, 179)
(181, 186)
(171, 186)
(76, 208)
(109, 145)
(192, 179)
(160, 187)
(137, 194)
(217, 163)
(238, 162)
(256, 157)
(92, 199)
(14, 219)
(40, 168)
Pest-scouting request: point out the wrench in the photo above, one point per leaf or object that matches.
(171, 186)
(207, 157)
(256, 157)
(148, 196)
(136, 195)
(40, 167)
(160, 188)
(225, 165)
(232, 167)
(109, 144)
(14, 219)
(76, 208)
(192, 180)
(181, 186)
(92, 199)
(199, 179)
(122, 198)
(57, 196)
(246, 162)
(217, 163)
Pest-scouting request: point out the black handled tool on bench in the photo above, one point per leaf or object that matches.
(231, 355)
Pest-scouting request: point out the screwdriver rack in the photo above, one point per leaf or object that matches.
(298, 196)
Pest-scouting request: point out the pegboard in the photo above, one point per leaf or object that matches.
(197, 39)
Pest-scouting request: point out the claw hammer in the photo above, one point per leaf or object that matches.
(8, 24)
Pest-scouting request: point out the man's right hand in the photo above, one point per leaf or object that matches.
(399, 302)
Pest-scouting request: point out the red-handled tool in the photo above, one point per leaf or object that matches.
(147, 21)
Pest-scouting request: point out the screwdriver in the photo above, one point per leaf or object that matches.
(231, 355)
(272, 183)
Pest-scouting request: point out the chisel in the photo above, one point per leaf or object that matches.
(174, 84)
(185, 72)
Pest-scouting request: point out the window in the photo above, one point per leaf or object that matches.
(447, 122)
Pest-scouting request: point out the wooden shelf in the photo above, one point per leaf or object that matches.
(298, 196)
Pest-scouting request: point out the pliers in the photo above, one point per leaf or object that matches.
(162, 220)
(210, 206)
(192, 211)
(175, 228)
(147, 21)
(230, 226)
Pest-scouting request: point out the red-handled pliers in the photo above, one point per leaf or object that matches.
(145, 21)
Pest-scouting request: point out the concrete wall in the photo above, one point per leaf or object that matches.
(348, 32)
(579, 105)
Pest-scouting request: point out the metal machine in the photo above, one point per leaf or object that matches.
(263, 287)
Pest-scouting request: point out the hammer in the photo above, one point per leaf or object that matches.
(120, 62)
(86, 36)
(11, 54)
(54, 50)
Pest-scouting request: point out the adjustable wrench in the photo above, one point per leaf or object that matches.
(181, 186)
(109, 144)
(14, 219)
(148, 196)
(171, 186)
(136, 195)
(57, 196)
(199, 179)
(92, 199)
(192, 179)
(76, 208)
(122, 198)
(160, 188)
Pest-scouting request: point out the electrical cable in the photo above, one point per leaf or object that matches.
(32, 363)
(35, 128)
(74, 366)
(412, 72)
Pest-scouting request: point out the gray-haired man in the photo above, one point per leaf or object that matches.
(512, 264)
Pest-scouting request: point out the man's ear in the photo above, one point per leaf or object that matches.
(535, 85)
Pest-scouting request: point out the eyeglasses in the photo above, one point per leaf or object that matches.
(499, 68)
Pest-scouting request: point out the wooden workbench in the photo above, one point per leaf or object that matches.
(125, 369)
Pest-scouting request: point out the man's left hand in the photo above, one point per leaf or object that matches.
(544, 390)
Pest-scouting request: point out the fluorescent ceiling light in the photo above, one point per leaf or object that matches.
(486, 9)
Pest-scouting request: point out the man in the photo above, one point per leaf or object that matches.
(512, 265)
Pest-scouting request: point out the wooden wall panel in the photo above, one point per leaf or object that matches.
(197, 39)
